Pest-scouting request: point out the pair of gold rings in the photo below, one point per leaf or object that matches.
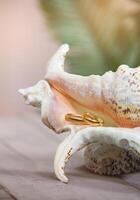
(84, 119)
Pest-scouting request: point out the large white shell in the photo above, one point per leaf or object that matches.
(115, 94)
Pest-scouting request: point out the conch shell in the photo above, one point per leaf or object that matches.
(68, 103)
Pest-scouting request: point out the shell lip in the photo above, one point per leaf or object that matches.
(125, 138)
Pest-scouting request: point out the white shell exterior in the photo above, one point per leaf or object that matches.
(115, 94)
(105, 159)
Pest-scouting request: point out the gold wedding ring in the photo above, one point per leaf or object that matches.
(75, 119)
(84, 119)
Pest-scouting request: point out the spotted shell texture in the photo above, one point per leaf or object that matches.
(110, 160)
(110, 150)
(121, 94)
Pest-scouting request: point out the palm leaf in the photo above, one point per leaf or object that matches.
(100, 38)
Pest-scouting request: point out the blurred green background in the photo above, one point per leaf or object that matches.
(102, 33)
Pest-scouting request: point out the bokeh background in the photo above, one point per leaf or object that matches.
(102, 33)
(25, 46)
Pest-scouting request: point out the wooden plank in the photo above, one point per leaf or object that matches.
(27, 150)
(5, 194)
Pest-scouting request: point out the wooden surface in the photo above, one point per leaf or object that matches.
(27, 150)
(5, 194)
